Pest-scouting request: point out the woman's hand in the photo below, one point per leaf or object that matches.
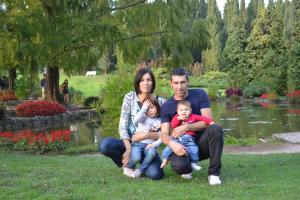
(138, 136)
(125, 157)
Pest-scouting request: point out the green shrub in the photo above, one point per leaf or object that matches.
(162, 78)
(212, 92)
(113, 93)
(213, 78)
(255, 90)
(91, 100)
(76, 96)
(23, 88)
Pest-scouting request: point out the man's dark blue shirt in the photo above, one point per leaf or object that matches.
(197, 97)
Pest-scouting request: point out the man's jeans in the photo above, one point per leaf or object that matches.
(189, 142)
(138, 150)
(114, 149)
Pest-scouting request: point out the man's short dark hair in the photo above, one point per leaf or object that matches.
(138, 77)
(179, 71)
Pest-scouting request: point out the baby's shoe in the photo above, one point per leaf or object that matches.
(137, 173)
(196, 167)
(187, 176)
(128, 172)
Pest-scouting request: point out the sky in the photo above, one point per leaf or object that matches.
(221, 4)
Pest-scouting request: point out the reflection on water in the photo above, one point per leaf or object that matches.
(85, 133)
(244, 119)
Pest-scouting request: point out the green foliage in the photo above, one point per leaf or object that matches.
(235, 45)
(266, 53)
(294, 53)
(76, 96)
(113, 93)
(90, 100)
(23, 88)
(255, 89)
(212, 92)
(240, 141)
(162, 78)
(213, 78)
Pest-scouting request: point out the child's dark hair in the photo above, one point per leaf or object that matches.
(184, 103)
(154, 101)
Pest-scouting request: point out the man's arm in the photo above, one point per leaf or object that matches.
(177, 148)
(197, 126)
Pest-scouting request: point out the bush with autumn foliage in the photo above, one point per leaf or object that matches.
(39, 108)
(6, 95)
(47, 141)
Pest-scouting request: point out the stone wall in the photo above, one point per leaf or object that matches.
(16, 123)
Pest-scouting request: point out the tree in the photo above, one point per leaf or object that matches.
(288, 22)
(213, 54)
(266, 53)
(235, 45)
(202, 9)
(294, 52)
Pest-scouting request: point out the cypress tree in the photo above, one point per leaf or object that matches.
(211, 57)
(294, 51)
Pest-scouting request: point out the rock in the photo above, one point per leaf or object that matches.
(293, 137)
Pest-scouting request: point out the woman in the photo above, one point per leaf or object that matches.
(65, 91)
(119, 149)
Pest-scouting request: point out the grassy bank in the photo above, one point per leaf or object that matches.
(94, 177)
(89, 86)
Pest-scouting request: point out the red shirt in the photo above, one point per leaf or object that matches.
(193, 118)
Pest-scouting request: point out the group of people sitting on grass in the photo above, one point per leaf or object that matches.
(183, 123)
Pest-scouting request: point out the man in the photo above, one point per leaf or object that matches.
(210, 139)
(43, 84)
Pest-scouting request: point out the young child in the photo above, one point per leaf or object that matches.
(184, 116)
(147, 120)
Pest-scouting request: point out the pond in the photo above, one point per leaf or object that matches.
(256, 119)
(238, 119)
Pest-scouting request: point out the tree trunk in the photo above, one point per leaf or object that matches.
(12, 78)
(52, 90)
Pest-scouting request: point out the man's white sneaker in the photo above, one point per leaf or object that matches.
(196, 167)
(214, 180)
(187, 176)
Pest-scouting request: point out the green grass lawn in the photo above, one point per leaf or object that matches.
(89, 86)
(24, 176)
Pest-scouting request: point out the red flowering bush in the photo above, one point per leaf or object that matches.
(268, 96)
(6, 95)
(54, 140)
(293, 94)
(233, 92)
(39, 108)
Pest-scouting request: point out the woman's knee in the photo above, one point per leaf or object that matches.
(104, 145)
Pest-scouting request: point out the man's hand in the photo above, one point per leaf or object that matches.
(180, 130)
(125, 157)
(177, 148)
(138, 136)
